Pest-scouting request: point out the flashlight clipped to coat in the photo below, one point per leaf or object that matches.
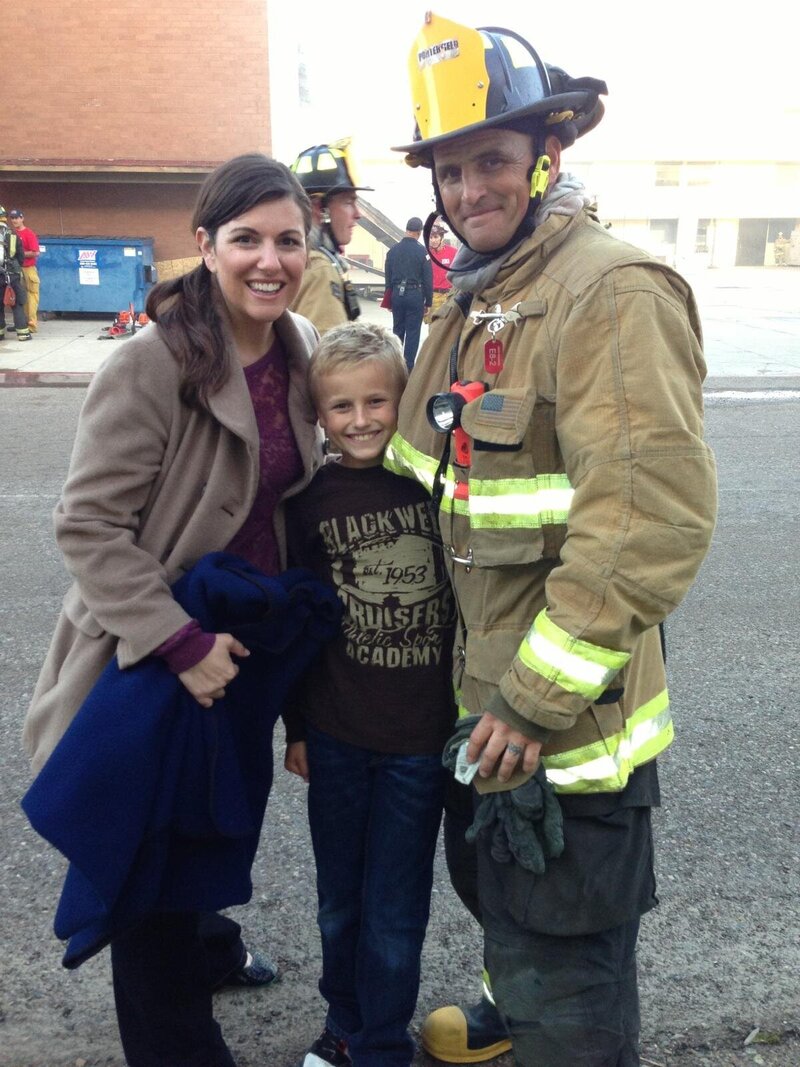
(443, 411)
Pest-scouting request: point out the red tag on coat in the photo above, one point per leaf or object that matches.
(493, 356)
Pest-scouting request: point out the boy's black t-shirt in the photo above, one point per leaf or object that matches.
(385, 683)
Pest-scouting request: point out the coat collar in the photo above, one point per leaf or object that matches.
(529, 258)
(231, 405)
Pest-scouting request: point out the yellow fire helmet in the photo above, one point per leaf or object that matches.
(327, 168)
(465, 79)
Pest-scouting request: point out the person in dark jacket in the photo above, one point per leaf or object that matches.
(410, 281)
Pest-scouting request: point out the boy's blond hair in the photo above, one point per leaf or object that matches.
(350, 345)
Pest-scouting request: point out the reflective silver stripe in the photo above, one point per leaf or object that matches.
(578, 666)
(582, 670)
(648, 732)
(532, 504)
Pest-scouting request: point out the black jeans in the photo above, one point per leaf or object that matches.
(164, 971)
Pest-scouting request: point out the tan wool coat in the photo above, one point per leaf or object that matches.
(153, 485)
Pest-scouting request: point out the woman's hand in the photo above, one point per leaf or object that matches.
(206, 681)
(493, 740)
(296, 759)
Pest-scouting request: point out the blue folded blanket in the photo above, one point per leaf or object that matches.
(156, 802)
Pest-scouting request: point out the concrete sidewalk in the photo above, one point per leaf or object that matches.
(68, 349)
(63, 351)
(751, 322)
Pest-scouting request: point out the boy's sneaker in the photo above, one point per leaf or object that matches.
(327, 1051)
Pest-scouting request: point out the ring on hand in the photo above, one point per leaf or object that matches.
(515, 750)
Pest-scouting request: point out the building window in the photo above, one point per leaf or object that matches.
(787, 175)
(701, 237)
(664, 231)
(668, 173)
(663, 234)
(700, 173)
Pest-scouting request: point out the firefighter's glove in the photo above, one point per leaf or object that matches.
(525, 824)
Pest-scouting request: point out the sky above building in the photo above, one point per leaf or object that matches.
(692, 79)
(692, 72)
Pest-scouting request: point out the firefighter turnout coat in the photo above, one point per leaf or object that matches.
(590, 498)
(321, 295)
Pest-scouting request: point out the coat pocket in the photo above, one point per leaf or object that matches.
(519, 495)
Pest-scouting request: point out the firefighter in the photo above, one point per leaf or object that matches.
(30, 243)
(326, 295)
(555, 413)
(12, 256)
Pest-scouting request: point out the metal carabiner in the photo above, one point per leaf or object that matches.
(466, 561)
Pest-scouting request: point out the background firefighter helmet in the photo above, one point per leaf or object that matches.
(326, 168)
(465, 79)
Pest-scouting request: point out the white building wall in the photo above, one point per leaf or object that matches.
(721, 193)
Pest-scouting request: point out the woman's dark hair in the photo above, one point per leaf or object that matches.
(188, 309)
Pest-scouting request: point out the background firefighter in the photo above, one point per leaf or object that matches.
(326, 295)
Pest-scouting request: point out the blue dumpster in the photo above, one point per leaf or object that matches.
(95, 273)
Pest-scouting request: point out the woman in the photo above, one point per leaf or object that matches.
(191, 436)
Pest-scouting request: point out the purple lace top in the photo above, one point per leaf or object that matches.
(280, 465)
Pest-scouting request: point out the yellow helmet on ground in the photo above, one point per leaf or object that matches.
(465, 79)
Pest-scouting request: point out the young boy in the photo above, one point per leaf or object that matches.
(377, 708)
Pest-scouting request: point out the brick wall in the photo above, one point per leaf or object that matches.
(130, 83)
(118, 209)
(170, 80)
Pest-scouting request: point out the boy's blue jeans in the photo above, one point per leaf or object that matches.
(374, 823)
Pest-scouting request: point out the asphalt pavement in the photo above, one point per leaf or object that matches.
(719, 956)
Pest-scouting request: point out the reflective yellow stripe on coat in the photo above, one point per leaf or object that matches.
(575, 665)
(605, 766)
(493, 503)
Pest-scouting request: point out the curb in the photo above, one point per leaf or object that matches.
(751, 383)
(27, 378)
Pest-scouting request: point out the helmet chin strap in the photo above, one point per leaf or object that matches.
(538, 177)
(327, 227)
